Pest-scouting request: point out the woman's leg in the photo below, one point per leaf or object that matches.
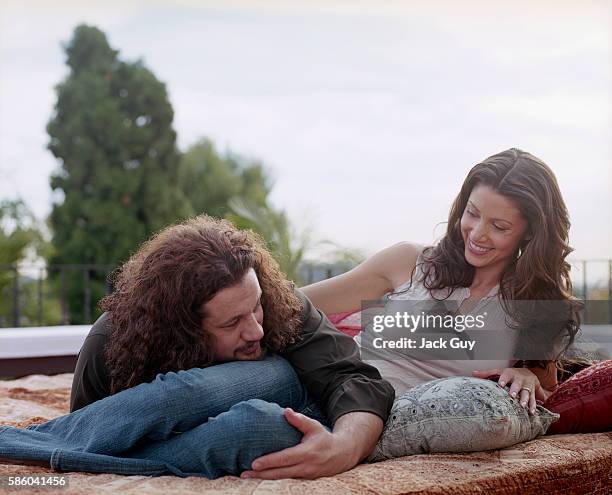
(172, 403)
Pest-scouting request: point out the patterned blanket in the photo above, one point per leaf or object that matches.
(565, 464)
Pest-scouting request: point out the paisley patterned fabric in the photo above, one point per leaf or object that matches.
(584, 401)
(458, 414)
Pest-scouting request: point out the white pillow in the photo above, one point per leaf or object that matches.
(457, 414)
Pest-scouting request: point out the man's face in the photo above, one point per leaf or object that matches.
(234, 318)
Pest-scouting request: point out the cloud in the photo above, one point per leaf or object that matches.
(369, 113)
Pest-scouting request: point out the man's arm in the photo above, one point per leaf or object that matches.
(355, 398)
(320, 452)
(91, 382)
(328, 363)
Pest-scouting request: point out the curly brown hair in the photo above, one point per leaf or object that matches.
(539, 270)
(156, 306)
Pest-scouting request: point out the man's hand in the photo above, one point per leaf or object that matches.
(320, 453)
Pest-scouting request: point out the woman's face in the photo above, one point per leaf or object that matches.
(492, 228)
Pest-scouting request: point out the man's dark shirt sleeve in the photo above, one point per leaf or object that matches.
(328, 363)
(91, 381)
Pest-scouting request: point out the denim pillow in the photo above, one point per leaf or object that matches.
(458, 414)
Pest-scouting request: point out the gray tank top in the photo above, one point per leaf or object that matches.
(404, 373)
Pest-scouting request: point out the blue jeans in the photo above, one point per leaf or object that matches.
(206, 422)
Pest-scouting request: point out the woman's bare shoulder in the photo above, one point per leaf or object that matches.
(379, 274)
(397, 262)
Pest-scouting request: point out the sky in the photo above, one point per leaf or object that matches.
(368, 115)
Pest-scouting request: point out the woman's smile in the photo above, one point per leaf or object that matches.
(477, 249)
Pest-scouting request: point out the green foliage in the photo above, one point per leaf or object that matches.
(38, 304)
(120, 176)
(112, 134)
(209, 180)
(342, 258)
(18, 231)
(287, 247)
(229, 186)
(21, 237)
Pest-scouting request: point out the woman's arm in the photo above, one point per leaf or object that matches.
(370, 280)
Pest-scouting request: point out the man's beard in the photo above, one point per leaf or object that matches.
(250, 351)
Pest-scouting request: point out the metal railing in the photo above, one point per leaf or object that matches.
(47, 285)
(15, 277)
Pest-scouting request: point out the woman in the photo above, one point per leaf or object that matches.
(506, 241)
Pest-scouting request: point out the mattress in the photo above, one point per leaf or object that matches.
(568, 464)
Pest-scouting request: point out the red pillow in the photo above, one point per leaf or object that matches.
(584, 401)
(340, 322)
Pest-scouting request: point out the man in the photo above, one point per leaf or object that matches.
(199, 297)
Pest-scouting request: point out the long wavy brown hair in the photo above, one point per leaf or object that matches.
(539, 271)
(156, 308)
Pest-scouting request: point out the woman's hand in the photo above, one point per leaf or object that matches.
(525, 385)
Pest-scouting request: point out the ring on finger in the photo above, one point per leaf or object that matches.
(525, 388)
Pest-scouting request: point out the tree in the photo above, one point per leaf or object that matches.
(21, 238)
(287, 246)
(112, 134)
(18, 231)
(209, 180)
